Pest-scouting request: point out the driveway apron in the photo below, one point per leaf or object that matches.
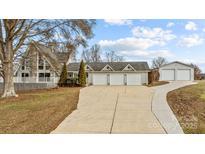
(112, 109)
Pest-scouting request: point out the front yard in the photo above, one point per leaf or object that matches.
(39, 111)
(188, 104)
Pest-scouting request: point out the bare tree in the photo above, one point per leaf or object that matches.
(197, 71)
(111, 56)
(92, 55)
(15, 34)
(158, 62)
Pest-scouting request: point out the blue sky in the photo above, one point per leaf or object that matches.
(143, 40)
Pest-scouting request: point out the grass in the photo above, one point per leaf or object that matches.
(39, 111)
(188, 104)
(157, 83)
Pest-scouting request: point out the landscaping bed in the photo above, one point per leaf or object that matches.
(188, 105)
(157, 83)
(37, 111)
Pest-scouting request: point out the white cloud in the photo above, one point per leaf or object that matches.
(190, 40)
(156, 34)
(170, 24)
(146, 53)
(129, 43)
(139, 44)
(191, 26)
(203, 29)
(118, 21)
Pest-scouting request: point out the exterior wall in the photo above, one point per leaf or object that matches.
(177, 66)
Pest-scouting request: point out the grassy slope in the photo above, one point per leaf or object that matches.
(188, 104)
(37, 111)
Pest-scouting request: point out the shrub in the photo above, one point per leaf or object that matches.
(63, 77)
(153, 76)
(82, 74)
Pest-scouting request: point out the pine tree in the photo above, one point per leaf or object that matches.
(63, 76)
(82, 74)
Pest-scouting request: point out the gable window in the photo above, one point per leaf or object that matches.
(41, 64)
(70, 75)
(47, 65)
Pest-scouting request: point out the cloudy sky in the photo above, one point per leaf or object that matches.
(139, 40)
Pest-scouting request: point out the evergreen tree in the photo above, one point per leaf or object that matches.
(63, 76)
(82, 74)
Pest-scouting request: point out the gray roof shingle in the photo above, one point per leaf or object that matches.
(117, 66)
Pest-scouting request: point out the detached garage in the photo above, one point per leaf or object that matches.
(176, 71)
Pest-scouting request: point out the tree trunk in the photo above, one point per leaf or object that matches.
(8, 90)
(8, 81)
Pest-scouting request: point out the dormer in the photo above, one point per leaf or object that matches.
(107, 68)
(88, 68)
(128, 68)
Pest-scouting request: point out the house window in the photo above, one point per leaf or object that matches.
(70, 75)
(47, 65)
(25, 75)
(22, 67)
(40, 64)
(75, 75)
(86, 74)
(44, 77)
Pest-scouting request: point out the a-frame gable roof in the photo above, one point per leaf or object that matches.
(107, 68)
(129, 68)
(88, 67)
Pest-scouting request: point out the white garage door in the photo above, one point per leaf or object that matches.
(133, 79)
(168, 75)
(183, 74)
(100, 79)
(117, 79)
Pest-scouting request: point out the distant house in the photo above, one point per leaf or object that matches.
(202, 76)
(40, 64)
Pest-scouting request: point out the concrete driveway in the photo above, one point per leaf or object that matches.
(113, 109)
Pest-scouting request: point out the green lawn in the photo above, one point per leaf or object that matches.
(188, 104)
(39, 111)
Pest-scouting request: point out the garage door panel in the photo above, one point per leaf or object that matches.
(168, 74)
(100, 79)
(116, 79)
(133, 79)
(183, 75)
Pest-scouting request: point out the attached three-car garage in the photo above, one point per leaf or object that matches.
(176, 71)
(118, 79)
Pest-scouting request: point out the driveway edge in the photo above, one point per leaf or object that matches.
(161, 109)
